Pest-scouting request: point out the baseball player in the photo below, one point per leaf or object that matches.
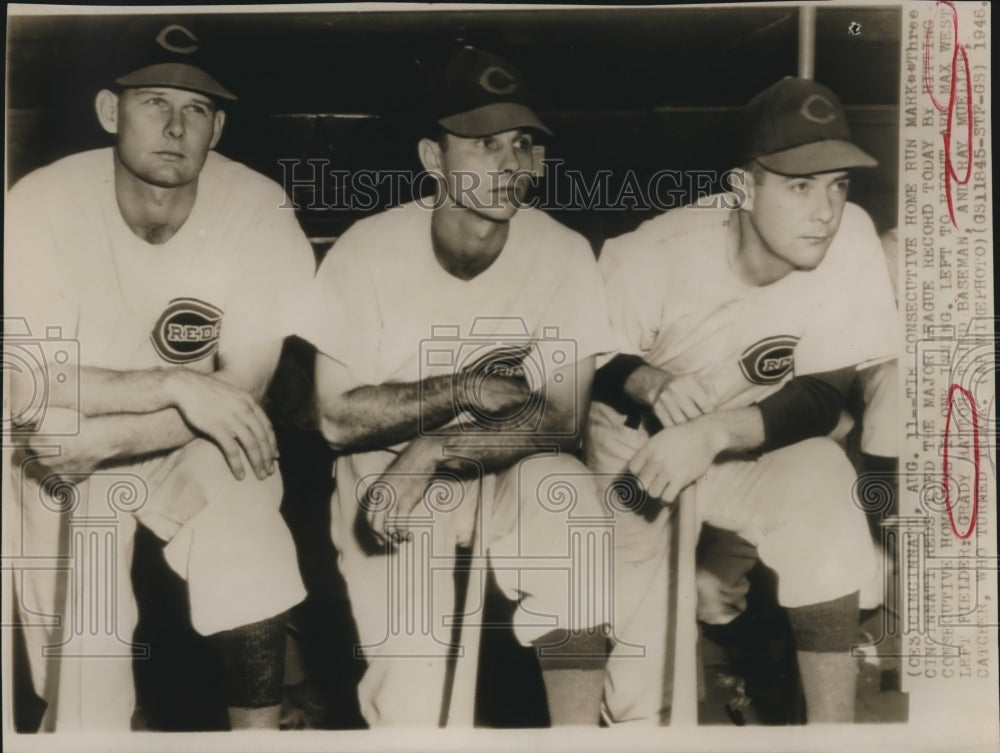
(169, 265)
(453, 390)
(878, 440)
(742, 319)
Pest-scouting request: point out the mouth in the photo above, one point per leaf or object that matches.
(171, 156)
(817, 238)
(510, 191)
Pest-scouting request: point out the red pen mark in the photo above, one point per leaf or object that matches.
(950, 174)
(975, 460)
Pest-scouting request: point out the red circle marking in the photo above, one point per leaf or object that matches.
(975, 461)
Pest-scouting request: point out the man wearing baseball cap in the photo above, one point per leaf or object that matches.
(170, 266)
(742, 320)
(454, 392)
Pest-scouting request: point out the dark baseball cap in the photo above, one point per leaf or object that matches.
(167, 54)
(798, 127)
(479, 94)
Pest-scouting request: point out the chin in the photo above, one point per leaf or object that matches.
(808, 265)
(811, 258)
(166, 179)
(502, 213)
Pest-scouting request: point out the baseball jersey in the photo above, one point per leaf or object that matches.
(384, 308)
(89, 289)
(677, 302)
(222, 282)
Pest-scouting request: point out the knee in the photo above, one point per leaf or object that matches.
(207, 474)
(559, 484)
(815, 466)
(821, 451)
(200, 457)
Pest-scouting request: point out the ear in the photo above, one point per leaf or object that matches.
(744, 186)
(217, 125)
(430, 155)
(538, 160)
(106, 105)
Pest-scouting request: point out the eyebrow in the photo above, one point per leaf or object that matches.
(835, 174)
(198, 100)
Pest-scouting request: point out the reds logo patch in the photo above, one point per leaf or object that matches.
(505, 361)
(495, 79)
(187, 331)
(818, 109)
(176, 38)
(769, 360)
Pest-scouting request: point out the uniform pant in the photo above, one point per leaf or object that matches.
(794, 504)
(549, 541)
(225, 537)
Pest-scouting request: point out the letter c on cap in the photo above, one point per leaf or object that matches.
(807, 109)
(490, 86)
(161, 39)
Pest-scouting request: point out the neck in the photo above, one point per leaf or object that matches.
(466, 244)
(153, 213)
(753, 260)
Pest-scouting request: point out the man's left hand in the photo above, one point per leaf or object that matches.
(404, 482)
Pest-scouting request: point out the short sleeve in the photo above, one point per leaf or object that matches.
(634, 312)
(339, 313)
(37, 285)
(857, 324)
(278, 268)
(578, 309)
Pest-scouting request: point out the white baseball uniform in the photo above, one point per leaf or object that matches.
(880, 383)
(676, 302)
(386, 311)
(220, 284)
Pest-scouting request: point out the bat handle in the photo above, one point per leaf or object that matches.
(684, 703)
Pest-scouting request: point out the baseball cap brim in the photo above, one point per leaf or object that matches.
(817, 157)
(176, 76)
(492, 118)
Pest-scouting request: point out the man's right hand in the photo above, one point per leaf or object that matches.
(228, 416)
(681, 399)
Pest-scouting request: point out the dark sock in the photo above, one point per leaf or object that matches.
(573, 673)
(253, 658)
(583, 649)
(827, 627)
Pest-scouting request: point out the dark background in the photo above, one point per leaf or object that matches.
(639, 88)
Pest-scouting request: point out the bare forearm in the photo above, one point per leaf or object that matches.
(131, 425)
(735, 430)
(495, 450)
(97, 391)
(644, 384)
(133, 435)
(375, 416)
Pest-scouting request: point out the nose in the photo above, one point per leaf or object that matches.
(823, 208)
(174, 127)
(510, 160)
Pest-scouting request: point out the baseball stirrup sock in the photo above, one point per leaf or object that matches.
(577, 649)
(830, 626)
(253, 659)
